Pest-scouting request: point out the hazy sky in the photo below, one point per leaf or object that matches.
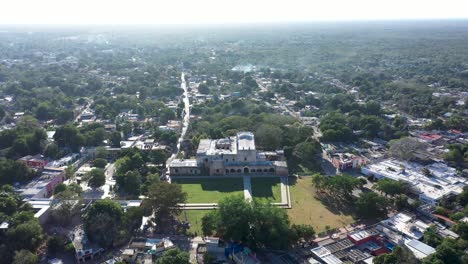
(221, 11)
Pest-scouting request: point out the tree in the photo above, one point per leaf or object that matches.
(60, 188)
(372, 108)
(257, 224)
(431, 237)
(405, 148)
(129, 182)
(20, 147)
(270, 227)
(115, 139)
(52, 151)
(163, 197)
(461, 229)
(174, 256)
(371, 205)
(100, 163)
(319, 181)
(268, 136)
(401, 202)
(25, 257)
(391, 187)
(96, 178)
(463, 197)
(334, 128)
(210, 222)
(371, 125)
(9, 200)
(340, 185)
(72, 191)
(103, 221)
(203, 89)
(446, 252)
(343, 184)
(305, 152)
(399, 255)
(26, 232)
(63, 213)
(305, 232)
(208, 258)
(12, 171)
(55, 244)
(69, 136)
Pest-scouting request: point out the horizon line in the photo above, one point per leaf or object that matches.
(246, 23)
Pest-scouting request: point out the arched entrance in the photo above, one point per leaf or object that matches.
(246, 170)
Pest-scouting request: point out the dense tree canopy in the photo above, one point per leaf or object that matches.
(103, 222)
(257, 224)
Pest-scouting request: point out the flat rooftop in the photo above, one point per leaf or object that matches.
(184, 163)
(230, 145)
(245, 141)
(442, 181)
(405, 224)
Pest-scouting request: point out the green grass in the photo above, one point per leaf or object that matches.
(210, 190)
(269, 188)
(194, 217)
(307, 209)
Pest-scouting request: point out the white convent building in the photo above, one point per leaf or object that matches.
(235, 155)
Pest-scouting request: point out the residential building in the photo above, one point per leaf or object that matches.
(345, 161)
(44, 185)
(37, 161)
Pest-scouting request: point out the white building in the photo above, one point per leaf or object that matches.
(442, 181)
(226, 156)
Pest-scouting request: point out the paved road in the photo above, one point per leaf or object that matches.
(186, 122)
(247, 188)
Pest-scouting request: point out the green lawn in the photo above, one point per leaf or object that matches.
(307, 209)
(269, 188)
(210, 190)
(194, 217)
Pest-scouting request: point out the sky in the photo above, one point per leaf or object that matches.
(110, 12)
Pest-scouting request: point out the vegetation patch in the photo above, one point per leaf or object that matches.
(194, 217)
(269, 188)
(307, 209)
(210, 190)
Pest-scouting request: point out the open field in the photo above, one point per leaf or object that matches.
(194, 217)
(269, 188)
(210, 190)
(306, 209)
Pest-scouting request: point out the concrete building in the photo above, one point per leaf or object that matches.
(345, 161)
(407, 225)
(37, 161)
(43, 186)
(442, 181)
(419, 249)
(229, 156)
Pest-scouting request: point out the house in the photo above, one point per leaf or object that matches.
(406, 225)
(65, 161)
(44, 185)
(419, 249)
(345, 161)
(37, 161)
(85, 250)
(233, 155)
(41, 208)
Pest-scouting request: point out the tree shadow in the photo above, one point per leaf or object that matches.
(263, 187)
(93, 193)
(336, 204)
(225, 185)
